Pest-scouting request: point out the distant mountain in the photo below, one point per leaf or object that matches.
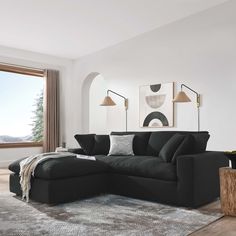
(11, 139)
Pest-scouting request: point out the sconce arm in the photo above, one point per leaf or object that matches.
(126, 99)
(197, 94)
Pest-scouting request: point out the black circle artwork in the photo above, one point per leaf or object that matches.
(156, 115)
(155, 87)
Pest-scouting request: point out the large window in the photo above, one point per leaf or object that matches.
(21, 106)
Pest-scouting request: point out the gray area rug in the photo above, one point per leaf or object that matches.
(102, 215)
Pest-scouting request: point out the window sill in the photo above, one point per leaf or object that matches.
(21, 145)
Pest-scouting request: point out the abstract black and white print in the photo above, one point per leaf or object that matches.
(156, 105)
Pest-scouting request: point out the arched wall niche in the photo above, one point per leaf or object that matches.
(94, 117)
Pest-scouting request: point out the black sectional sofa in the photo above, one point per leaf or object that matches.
(191, 180)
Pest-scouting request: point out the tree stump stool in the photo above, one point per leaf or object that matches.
(228, 191)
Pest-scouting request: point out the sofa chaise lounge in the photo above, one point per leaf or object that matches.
(191, 180)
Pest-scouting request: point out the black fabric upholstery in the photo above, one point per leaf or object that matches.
(76, 151)
(200, 141)
(143, 166)
(101, 145)
(168, 150)
(197, 182)
(198, 177)
(189, 180)
(62, 190)
(15, 166)
(158, 139)
(139, 143)
(144, 188)
(145, 143)
(86, 142)
(185, 147)
(65, 167)
(93, 144)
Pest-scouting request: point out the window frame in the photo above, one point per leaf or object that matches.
(25, 71)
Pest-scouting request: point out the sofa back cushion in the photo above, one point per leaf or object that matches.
(101, 144)
(94, 144)
(140, 141)
(168, 150)
(185, 147)
(144, 143)
(200, 141)
(160, 138)
(156, 141)
(86, 142)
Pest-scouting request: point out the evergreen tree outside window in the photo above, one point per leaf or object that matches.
(37, 130)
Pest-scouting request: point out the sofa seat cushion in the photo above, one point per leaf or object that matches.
(143, 166)
(65, 167)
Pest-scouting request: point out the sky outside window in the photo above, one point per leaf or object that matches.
(18, 94)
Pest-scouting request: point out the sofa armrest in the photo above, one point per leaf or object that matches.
(198, 177)
(76, 151)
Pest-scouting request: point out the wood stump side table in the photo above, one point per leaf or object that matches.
(228, 190)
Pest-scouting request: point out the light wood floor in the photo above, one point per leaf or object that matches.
(225, 226)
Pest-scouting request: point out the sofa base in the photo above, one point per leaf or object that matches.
(144, 188)
(62, 190)
(72, 189)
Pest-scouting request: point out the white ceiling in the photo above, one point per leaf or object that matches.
(73, 28)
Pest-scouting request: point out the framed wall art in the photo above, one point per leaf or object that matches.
(156, 105)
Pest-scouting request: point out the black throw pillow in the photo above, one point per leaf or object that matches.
(186, 147)
(86, 142)
(200, 141)
(168, 150)
(101, 145)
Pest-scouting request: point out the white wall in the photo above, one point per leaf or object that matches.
(8, 155)
(97, 113)
(36, 60)
(198, 50)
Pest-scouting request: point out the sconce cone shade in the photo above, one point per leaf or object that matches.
(181, 97)
(108, 102)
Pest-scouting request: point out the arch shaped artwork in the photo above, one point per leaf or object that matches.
(156, 115)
